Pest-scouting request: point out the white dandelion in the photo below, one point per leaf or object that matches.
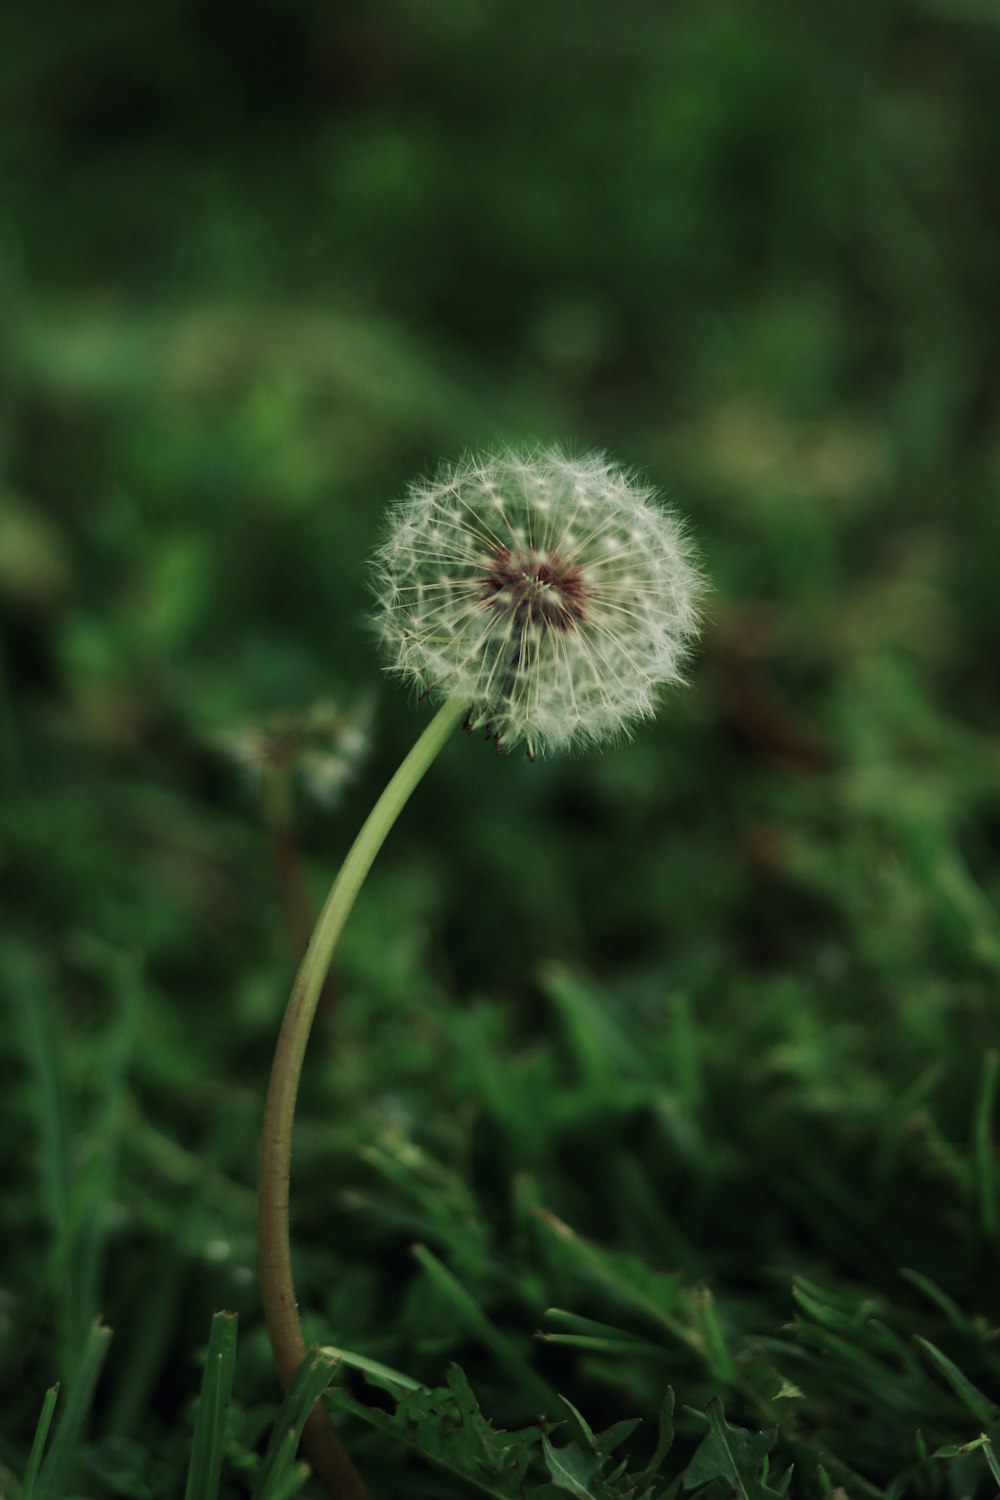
(555, 595)
(542, 598)
(321, 747)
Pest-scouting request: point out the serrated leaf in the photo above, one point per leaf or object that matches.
(613, 1436)
(603, 1443)
(572, 1469)
(584, 1425)
(731, 1453)
(447, 1427)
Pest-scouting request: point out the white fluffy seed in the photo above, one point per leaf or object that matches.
(562, 595)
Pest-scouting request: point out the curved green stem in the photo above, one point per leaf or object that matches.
(274, 1250)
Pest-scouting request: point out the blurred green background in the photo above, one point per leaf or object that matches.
(720, 998)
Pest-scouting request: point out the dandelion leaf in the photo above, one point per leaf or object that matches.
(573, 1470)
(733, 1454)
(447, 1427)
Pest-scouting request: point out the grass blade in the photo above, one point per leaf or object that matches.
(628, 1279)
(390, 1380)
(601, 1050)
(311, 1380)
(664, 1439)
(42, 1035)
(984, 1157)
(58, 1461)
(281, 1467)
(38, 1446)
(505, 1349)
(947, 1305)
(989, 1453)
(970, 1396)
(713, 1339)
(209, 1440)
(293, 1481)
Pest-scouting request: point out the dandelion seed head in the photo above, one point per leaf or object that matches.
(321, 746)
(556, 594)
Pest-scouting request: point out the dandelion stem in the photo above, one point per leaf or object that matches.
(328, 1455)
(277, 805)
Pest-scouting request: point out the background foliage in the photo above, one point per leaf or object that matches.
(691, 1041)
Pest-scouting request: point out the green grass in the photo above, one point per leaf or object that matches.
(209, 1438)
(657, 1087)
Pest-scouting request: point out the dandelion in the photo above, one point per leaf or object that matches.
(554, 595)
(316, 749)
(321, 746)
(543, 599)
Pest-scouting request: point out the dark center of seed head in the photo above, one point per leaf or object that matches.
(537, 588)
